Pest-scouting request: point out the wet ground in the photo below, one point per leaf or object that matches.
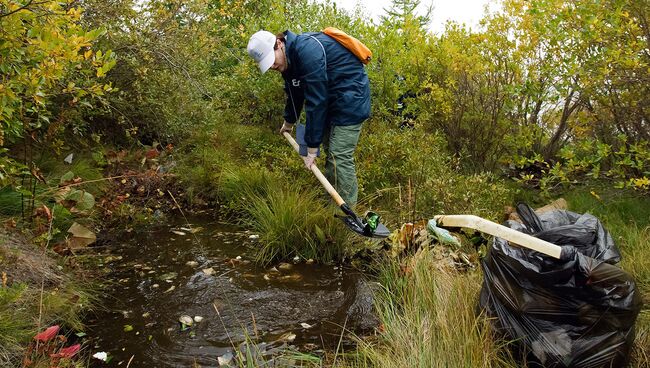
(203, 271)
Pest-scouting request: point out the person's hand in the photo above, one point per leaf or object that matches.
(286, 127)
(310, 158)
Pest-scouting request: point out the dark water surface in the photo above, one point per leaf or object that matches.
(154, 285)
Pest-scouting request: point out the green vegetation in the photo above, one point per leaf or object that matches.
(545, 98)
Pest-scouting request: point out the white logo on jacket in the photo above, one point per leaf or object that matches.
(295, 82)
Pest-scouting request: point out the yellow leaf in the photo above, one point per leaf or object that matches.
(88, 54)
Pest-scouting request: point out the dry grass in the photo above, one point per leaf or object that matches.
(429, 320)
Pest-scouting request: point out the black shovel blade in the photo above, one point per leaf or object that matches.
(359, 226)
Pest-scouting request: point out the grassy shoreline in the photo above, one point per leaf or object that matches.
(281, 201)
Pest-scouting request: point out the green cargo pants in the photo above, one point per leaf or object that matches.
(339, 144)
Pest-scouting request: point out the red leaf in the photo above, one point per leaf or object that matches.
(48, 334)
(68, 352)
(152, 153)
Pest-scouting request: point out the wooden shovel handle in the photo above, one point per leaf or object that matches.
(489, 227)
(323, 180)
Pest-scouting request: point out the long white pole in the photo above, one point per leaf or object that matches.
(489, 227)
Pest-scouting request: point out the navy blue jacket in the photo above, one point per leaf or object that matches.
(329, 80)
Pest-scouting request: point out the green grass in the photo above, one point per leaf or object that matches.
(428, 315)
(295, 223)
(20, 308)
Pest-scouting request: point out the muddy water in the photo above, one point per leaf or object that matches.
(161, 273)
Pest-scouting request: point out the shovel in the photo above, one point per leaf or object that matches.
(369, 227)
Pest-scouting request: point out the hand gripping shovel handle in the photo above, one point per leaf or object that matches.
(351, 220)
(323, 180)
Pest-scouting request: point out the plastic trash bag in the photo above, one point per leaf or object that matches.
(575, 312)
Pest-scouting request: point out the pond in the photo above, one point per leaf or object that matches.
(202, 270)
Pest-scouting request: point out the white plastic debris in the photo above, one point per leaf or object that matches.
(68, 159)
(254, 236)
(186, 320)
(102, 355)
(306, 325)
(198, 319)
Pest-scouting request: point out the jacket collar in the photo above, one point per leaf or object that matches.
(290, 39)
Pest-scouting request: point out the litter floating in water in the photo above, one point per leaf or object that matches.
(102, 355)
(186, 322)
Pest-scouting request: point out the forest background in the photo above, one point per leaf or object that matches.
(545, 97)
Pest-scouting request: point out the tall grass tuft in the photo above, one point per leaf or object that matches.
(295, 223)
(429, 319)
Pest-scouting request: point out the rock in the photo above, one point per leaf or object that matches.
(192, 263)
(209, 271)
(287, 337)
(296, 259)
(254, 236)
(186, 320)
(168, 276)
(359, 305)
(306, 325)
(285, 266)
(225, 359)
(198, 319)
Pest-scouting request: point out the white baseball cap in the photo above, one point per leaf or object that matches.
(260, 48)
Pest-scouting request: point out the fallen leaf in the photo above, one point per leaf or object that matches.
(209, 271)
(81, 236)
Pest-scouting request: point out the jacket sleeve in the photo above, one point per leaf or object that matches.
(314, 71)
(295, 100)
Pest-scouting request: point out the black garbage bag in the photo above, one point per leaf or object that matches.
(578, 311)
